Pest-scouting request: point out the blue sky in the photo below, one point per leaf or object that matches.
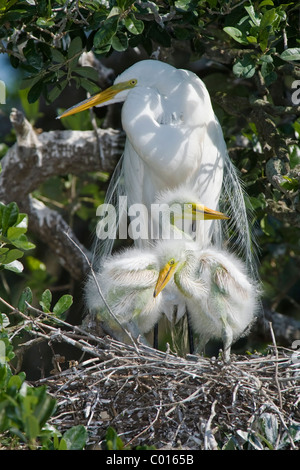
(7, 73)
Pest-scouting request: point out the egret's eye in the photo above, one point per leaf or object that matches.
(133, 82)
(172, 261)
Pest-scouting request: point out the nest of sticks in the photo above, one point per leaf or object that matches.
(159, 399)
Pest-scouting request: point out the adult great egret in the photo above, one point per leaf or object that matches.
(174, 276)
(173, 137)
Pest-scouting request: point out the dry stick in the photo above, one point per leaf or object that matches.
(55, 331)
(102, 296)
(276, 365)
(208, 436)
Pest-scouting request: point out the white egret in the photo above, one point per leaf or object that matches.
(220, 297)
(127, 282)
(172, 137)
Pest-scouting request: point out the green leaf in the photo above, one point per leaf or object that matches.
(236, 34)
(35, 91)
(26, 296)
(291, 184)
(63, 304)
(253, 15)
(9, 216)
(291, 54)
(45, 22)
(113, 441)
(34, 59)
(15, 382)
(75, 47)
(46, 300)
(107, 30)
(133, 25)
(57, 56)
(245, 67)
(22, 243)
(190, 5)
(268, 18)
(76, 437)
(120, 42)
(5, 4)
(15, 232)
(266, 2)
(62, 444)
(10, 256)
(252, 39)
(45, 405)
(89, 86)
(56, 90)
(14, 266)
(87, 72)
(32, 428)
(266, 68)
(4, 321)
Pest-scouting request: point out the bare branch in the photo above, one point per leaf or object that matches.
(34, 159)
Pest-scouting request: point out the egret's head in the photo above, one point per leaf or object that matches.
(182, 204)
(114, 94)
(144, 73)
(172, 254)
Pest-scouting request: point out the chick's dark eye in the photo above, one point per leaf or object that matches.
(172, 262)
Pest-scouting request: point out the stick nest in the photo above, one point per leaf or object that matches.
(159, 399)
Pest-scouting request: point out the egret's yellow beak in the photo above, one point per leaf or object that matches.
(165, 276)
(104, 98)
(201, 212)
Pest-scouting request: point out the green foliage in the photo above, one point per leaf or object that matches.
(61, 306)
(116, 26)
(114, 442)
(25, 410)
(13, 241)
(261, 28)
(266, 435)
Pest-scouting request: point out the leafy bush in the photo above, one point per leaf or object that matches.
(25, 410)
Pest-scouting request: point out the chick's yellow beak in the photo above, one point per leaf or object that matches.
(164, 277)
(201, 212)
(106, 97)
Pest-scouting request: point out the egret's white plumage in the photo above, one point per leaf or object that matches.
(173, 137)
(127, 281)
(220, 297)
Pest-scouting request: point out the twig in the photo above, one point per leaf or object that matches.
(276, 365)
(148, 427)
(209, 440)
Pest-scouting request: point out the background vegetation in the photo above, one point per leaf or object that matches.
(247, 53)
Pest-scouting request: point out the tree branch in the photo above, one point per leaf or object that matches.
(34, 159)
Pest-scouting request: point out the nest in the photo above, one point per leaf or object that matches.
(159, 399)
